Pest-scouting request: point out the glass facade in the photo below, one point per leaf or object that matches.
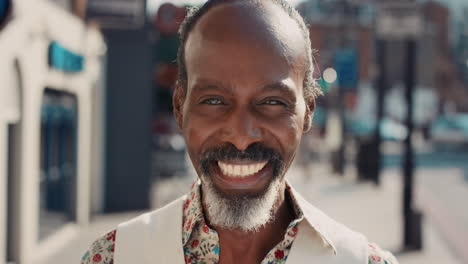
(58, 161)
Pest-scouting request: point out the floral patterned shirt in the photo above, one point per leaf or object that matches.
(201, 243)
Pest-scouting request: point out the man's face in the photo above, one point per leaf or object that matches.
(243, 113)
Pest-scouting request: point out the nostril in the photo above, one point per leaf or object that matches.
(241, 129)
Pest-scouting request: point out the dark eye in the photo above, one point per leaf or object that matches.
(213, 101)
(273, 102)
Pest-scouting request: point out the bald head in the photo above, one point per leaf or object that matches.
(246, 30)
(270, 26)
(265, 25)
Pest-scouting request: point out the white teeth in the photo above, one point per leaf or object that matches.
(251, 167)
(240, 170)
(244, 170)
(237, 170)
(258, 167)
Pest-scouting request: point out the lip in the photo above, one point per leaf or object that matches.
(245, 183)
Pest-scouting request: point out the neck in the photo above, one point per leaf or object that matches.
(240, 246)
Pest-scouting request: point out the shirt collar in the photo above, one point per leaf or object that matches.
(314, 218)
(192, 212)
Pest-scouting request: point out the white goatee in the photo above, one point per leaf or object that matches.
(240, 212)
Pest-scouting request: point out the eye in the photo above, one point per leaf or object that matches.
(213, 101)
(274, 102)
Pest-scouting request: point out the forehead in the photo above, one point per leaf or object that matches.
(245, 40)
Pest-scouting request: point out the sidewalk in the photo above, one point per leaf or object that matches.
(442, 195)
(373, 211)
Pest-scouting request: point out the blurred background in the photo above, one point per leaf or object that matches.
(88, 140)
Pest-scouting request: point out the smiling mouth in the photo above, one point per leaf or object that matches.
(241, 170)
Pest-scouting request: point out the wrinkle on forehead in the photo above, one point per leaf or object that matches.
(262, 26)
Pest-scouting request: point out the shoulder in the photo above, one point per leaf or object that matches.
(377, 255)
(164, 215)
(101, 250)
(347, 243)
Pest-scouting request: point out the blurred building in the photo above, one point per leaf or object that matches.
(50, 144)
(445, 78)
(461, 49)
(437, 68)
(334, 27)
(433, 62)
(339, 24)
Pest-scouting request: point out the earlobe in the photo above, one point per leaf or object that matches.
(178, 99)
(309, 116)
(308, 122)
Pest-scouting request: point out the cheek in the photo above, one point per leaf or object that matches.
(288, 132)
(291, 126)
(194, 138)
(197, 132)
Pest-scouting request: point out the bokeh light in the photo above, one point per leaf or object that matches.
(329, 75)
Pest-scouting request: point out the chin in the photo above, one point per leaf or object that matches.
(244, 210)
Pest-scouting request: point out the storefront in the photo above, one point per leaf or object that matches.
(49, 160)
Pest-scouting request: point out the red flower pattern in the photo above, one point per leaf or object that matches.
(97, 258)
(193, 247)
(186, 204)
(293, 231)
(111, 236)
(206, 229)
(188, 224)
(279, 254)
(195, 243)
(187, 258)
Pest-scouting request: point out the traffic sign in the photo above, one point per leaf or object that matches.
(399, 20)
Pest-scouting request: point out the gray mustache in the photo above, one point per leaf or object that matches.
(254, 152)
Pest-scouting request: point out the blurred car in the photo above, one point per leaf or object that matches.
(450, 130)
(390, 129)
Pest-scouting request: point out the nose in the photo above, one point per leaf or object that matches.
(242, 129)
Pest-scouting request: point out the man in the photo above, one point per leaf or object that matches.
(244, 97)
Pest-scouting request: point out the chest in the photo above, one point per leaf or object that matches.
(159, 237)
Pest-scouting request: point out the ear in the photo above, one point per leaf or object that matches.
(178, 99)
(309, 115)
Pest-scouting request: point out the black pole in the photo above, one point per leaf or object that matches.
(339, 158)
(412, 218)
(381, 89)
(340, 155)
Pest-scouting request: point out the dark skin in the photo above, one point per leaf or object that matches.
(245, 70)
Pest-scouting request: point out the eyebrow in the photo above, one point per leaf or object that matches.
(210, 86)
(280, 87)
